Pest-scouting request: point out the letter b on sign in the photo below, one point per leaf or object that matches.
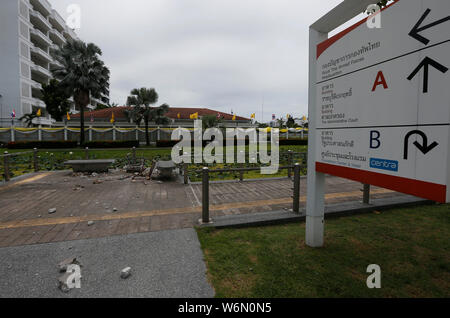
(375, 142)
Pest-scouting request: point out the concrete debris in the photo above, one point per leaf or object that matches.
(90, 223)
(63, 282)
(125, 273)
(70, 261)
(114, 209)
(94, 175)
(52, 210)
(97, 182)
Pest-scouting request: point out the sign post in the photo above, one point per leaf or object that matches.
(379, 102)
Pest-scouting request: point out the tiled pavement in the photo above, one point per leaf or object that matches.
(120, 205)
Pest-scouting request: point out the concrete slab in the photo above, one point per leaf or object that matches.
(164, 264)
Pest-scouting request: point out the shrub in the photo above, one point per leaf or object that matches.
(112, 144)
(42, 144)
(294, 142)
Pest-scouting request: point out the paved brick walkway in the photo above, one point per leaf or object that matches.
(119, 205)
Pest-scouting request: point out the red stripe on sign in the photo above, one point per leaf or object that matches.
(421, 189)
(321, 47)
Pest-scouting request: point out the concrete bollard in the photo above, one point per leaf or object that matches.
(86, 153)
(296, 196)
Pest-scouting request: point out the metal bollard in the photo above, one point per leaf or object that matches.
(6, 165)
(35, 160)
(366, 194)
(134, 155)
(205, 196)
(86, 153)
(241, 176)
(185, 173)
(296, 205)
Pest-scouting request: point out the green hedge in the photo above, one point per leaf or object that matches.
(42, 144)
(112, 144)
(294, 142)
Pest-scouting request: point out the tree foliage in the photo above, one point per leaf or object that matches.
(210, 121)
(28, 118)
(82, 75)
(139, 102)
(55, 99)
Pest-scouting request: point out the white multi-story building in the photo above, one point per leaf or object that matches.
(29, 30)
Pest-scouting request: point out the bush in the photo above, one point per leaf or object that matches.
(112, 144)
(42, 144)
(294, 142)
(166, 143)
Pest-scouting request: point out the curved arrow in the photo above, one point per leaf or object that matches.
(425, 64)
(424, 148)
(418, 28)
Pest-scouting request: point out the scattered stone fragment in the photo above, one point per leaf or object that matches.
(125, 273)
(160, 182)
(114, 209)
(90, 223)
(98, 182)
(64, 264)
(52, 210)
(63, 282)
(94, 174)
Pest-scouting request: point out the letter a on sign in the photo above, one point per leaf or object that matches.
(380, 81)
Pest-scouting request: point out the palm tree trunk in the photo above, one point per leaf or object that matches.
(82, 100)
(81, 125)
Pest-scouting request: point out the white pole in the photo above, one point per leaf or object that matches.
(114, 132)
(315, 207)
(137, 132)
(90, 133)
(40, 133)
(65, 133)
(13, 133)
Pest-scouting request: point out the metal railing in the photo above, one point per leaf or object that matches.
(5, 158)
(206, 181)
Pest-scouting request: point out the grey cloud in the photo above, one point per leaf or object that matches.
(220, 54)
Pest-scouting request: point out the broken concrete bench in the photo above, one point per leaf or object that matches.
(100, 165)
(165, 168)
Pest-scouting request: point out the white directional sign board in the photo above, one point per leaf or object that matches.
(383, 101)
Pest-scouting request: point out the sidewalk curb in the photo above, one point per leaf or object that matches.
(331, 211)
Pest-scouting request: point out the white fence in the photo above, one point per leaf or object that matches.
(16, 134)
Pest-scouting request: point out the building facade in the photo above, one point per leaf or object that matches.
(29, 30)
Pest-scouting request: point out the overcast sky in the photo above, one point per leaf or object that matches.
(221, 54)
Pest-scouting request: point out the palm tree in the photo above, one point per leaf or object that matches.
(140, 100)
(82, 75)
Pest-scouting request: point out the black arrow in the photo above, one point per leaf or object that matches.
(418, 28)
(424, 148)
(426, 66)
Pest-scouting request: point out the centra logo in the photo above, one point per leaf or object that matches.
(384, 164)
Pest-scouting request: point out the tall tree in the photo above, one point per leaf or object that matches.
(140, 101)
(82, 75)
(55, 99)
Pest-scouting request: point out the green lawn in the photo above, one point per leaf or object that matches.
(411, 246)
(53, 159)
